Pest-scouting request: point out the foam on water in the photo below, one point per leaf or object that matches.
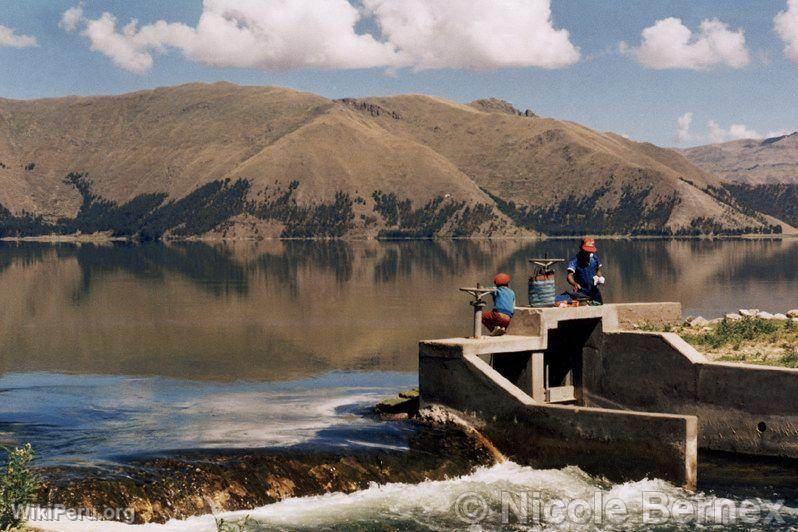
(73, 419)
(474, 501)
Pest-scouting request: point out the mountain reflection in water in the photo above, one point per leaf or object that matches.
(109, 352)
(284, 310)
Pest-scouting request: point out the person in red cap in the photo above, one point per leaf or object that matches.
(498, 319)
(584, 272)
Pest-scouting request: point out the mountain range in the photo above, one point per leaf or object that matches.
(760, 174)
(751, 161)
(223, 160)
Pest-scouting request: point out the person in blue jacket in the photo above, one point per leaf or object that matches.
(584, 272)
(498, 319)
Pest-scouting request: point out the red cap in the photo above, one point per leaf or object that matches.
(501, 279)
(589, 245)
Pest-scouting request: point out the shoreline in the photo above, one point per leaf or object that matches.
(101, 238)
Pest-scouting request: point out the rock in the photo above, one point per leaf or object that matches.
(409, 394)
(762, 315)
(793, 313)
(733, 317)
(699, 322)
(749, 313)
(157, 489)
(401, 416)
(716, 321)
(780, 317)
(405, 403)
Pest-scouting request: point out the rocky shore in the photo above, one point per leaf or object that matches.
(700, 321)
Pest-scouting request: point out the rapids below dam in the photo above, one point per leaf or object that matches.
(130, 365)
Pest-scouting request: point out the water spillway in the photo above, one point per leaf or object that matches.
(576, 386)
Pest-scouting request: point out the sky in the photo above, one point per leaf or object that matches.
(671, 72)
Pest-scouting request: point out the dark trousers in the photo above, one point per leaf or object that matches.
(594, 294)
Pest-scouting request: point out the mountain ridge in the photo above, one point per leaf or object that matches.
(756, 162)
(227, 160)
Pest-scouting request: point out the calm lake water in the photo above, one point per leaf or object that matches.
(113, 350)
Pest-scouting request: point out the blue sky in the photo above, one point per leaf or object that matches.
(603, 89)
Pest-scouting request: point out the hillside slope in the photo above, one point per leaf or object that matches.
(769, 161)
(259, 161)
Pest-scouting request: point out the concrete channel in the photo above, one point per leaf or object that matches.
(577, 386)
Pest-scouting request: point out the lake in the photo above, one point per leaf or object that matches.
(114, 350)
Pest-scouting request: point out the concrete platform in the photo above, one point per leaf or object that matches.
(487, 345)
(642, 403)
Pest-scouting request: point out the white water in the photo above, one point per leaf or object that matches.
(433, 505)
(73, 419)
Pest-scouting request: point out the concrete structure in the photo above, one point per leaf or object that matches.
(575, 386)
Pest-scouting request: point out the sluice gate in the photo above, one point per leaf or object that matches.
(576, 386)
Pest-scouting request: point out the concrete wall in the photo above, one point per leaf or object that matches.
(646, 401)
(530, 321)
(621, 445)
(740, 407)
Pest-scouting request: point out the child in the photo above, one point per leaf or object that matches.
(498, 319)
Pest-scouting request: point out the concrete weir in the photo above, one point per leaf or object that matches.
(575, 386)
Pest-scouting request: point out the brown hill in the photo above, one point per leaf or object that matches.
(260, 161)
(769, 161)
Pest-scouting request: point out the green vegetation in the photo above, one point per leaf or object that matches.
(779, 200)
(709, 226)
(430, 219)
(97, 214)
(201, 211)
(24, 225)
(209, 207)
(750, 340)
(734, 333)
(18, 487)
(634, 214)
(323, 220)
(788, 359)
(470, 219)
(145, 217)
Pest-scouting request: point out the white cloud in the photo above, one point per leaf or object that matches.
(735, 132)
(272, 35)
(296, 34)
(474, 34)
(716, 133)
(786, 25)
(683, 128)
(122, 48)
(71, 18)
(740, 131)
(669, 44)
(9, 37)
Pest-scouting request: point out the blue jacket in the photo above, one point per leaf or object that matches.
(583, 273)
(504, 300)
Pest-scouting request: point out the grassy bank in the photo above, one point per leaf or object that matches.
(751, 340)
